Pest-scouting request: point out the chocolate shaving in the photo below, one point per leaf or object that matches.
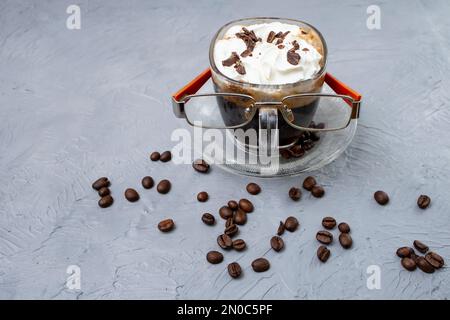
(250, 39)
(293, 57)
(271, 37)
(305, 49)
(304, 32)
(296, 45)
(231, 60)
(281, 37)
(239, 68)
(246, 53)
(281, 46)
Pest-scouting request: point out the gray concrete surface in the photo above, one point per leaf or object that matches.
(79, 104)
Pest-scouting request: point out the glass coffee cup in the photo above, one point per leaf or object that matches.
(233, 109)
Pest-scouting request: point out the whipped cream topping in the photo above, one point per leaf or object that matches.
(268, 62)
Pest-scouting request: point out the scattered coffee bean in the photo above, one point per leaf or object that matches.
(409, 264)
(100, 183)
(131, 195)
(295, 193)
(233, 205)
(317, 191)
(234, 270)
(246, 205)
(424, 265)
(435, 260)
(202, 196)
(253, 188)
(240, 217)
(277, 243)
(225, 212)
(423, 202)
(414, 256)
(163, 186)
(239, 245)
(323, 253)
(104, 192)
(147, 182)
(229, 222)
(165, 156)
(260, 265)
(344, 227)
(309, 183)
(345, 240)
(324, 237)
(155, 156)
(421, 247)
(381, 197)
(328, 223)
(291, 224)
(166, 225)
(214, 257)
(201, 166)
(281, 228)
(231, 230)
(404, 252)
(208, 219)
(105, 201)
(224, 241)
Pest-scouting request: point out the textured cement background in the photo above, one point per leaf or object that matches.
(76, 105)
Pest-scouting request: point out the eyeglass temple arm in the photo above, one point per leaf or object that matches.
(195, 85)
(191, 88)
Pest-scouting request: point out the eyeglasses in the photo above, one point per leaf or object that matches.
(235, 110)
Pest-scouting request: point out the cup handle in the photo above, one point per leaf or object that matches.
(268, 132)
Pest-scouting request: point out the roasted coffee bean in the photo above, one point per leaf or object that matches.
(155, 156)
(404, 252)
(421, 247)
(202, 196)
(435, 260)
(285, 154)
(166, 156)
(344, 227)
(234, 270)
(260, 265)
(229, 222)
(224, 241)
(323, 253)
(414, 256)
(246, 205)
(295, 193)
(208, 219)
(423, 202)
(163, 186)
(317, 191)
(166, 225)
(231, 230)
(225, 212)
(100, 183)
(328, 223)
(240, 217)
(291, 224)
(104, 192)
(105, 201)
(320, 125)
(253, 188)
(281, 228)
(214, 257)
(147, 182)
(314, 136)
(381, 197)
(345, 240)
(424, 265)
(277, 243)
(409, 264)
(131, 195)
(239, 245)
(201, 166)
(309, 183)
(324, 237)
(233, 205)
(296, 151)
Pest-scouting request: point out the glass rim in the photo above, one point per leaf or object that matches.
(316, 76)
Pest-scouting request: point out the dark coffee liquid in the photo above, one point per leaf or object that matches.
(233, 114)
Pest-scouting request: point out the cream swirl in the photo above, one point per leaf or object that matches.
(268, 63)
